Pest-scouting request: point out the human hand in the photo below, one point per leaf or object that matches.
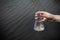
(43, 16)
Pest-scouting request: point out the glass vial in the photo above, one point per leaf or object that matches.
(38, 26)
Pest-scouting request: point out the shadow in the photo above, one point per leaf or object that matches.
(2, 36)
(57, 1)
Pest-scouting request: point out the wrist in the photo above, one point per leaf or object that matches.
(54, 18)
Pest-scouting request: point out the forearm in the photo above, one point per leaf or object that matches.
(56, 18)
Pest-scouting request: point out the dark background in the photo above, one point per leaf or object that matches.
(17, 19)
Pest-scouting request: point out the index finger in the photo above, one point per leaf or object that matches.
(39, 13)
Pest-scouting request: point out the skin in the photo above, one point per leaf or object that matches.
(46, 16)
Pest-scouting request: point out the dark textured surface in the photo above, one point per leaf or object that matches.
(17, 20)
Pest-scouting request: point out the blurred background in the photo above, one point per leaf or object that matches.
(17, 20)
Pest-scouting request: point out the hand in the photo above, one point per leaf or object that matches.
(44, 16)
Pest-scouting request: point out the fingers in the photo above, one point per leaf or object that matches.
(45, 16)
(44, 19)
(40, 14)
(41, 19)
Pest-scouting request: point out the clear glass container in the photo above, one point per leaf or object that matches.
(38, 25)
